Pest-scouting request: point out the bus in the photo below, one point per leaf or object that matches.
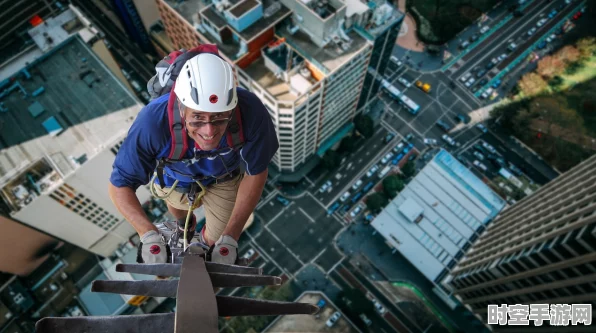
(412, 107)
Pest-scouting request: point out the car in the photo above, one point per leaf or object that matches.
(531, 31)
(136, 86)
(398, 158)
(357, 184)
(483, 82)
(379, 307)
(470, 82)
(490, 65)
(487, 93)
(512, 47)
(412, 157)
(464, 44)
(368, 187)
(396, 61)
(443, 125)
(356, 211)
(338, 176)
(480, 166)
(325, 187)
(448, 139)
(430, 142)
(365, 320)
(474, 38)
(489, 147)
(406, 150)
(482, 128)
(321, 304)
(479, 148)
(460, 118)
(398, 147)
(552, 14)
(541, 45)
(345, 209)
(475, 88)
(356, 197)
(551, 38)
(516, 171)
(577, 15)
(541, 22)
(497, 161)
(502, 57)
(409, 137)
(484, 29)
(496, 84)
(333, 208)
(387, 158)
(282, 200)
(384, 172)
(405, 82)
(388, 137)
(481, 73)
(479, 156)
(333, 319)
(345, 196)
(465, 77)
(248, 254)
(372, 171)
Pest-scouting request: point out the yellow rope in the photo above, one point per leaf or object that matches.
(165, 196)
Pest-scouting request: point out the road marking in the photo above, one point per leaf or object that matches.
(334, 266)
(265, 254)
(284, 245)
(318, 255)
(306, 214)
(280, 212)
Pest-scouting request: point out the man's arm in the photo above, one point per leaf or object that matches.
(249, 193)
(127, 203)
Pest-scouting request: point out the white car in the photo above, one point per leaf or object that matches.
(396, 61)
(541, 22)
(482, 128)
(532, 31)
(551, 38)
(379, 307)
(502, 57)
(387, 158)
(372, 171)
(325, 187)
(479, 155)
(398, 147)
(448, 139)
(470, 82)
(430, 142)
(404, 82)
(333, 319)
(356, 211)
(487, 93)
(357, 185)
(345, 196)
(480, 165)
(488, 147)
(465, 77)
(484, 29)
(249, 254)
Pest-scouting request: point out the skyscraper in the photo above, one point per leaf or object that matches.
(305, 59)
(541, 250)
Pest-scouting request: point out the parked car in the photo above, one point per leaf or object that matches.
(372, 171)
(483, 82)
(387, 158)
(282, 200)
(333, 208)
(248, 254)
(443, 125)
(448, 139)
(484, 29)
(481, 73)
(552, 14)
(356, 211)
(531, 31)
(430, 142)
(385, 171)
(487, 93)
(474, 38)
(490, 65)
(368, 187)
(516, 171)
(365, 319)
(512, 47)
(379, 307)
(405, 82)
(321, 304)
(345, 196)
(480, 166)
(356, 197)
(465, 77)
(470, 82)
(502, 57)
(541, 45)
(388, 137)
(464, 44)
(482, 128)
(325, 187)
(479, 156)
(396, 61)
(397, 159)
(357, 185)
(460, 118)
(551, 38)
(541, 22)
(409, 137)
(496, 84)
(398, 147)
(489, 147)
(333, 319)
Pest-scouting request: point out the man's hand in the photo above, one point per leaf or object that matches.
(225, 250)
(152, 249)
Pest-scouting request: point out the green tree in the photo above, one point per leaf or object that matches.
(347, 144)
(331, 159)
(392, 185)
(356, 302)
(573, 67)
(376, 201)
(364, 125)
(409, 169)
(555, 82)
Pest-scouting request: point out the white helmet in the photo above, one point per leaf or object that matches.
(206, 83)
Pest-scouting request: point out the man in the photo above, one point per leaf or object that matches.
(206, 97)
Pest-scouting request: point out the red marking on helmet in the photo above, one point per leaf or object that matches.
(224, 251)
(154, 249)
(213, 99)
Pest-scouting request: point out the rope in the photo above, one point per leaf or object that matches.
(165, 196)
(191, 208)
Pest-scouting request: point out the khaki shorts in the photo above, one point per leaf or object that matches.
(218, 202)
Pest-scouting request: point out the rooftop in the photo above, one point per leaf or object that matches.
(387, 16)
(316, 323)
(455, 206)
(267, 79)
(69, 99)
(330, 57)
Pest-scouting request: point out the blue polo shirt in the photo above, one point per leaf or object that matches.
(149, 140)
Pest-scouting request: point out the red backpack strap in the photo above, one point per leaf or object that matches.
(235, 133)
(177, 129)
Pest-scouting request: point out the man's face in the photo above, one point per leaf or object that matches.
(206, 128)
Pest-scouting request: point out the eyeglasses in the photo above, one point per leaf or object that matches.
(217, 122)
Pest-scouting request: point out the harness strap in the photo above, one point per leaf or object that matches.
(235, 133)
(177, 129)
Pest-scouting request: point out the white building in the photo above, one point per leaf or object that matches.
(63, 115)
(437, 216)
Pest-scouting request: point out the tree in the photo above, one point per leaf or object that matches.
(532, 84)
(586, 47)
(409, 169)
(376, 201)
(555, 82)
(331, 159)
(392, 185)
(550, 66)
(364, 125)
(568, 54)
(573, 67)
(347, 144)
